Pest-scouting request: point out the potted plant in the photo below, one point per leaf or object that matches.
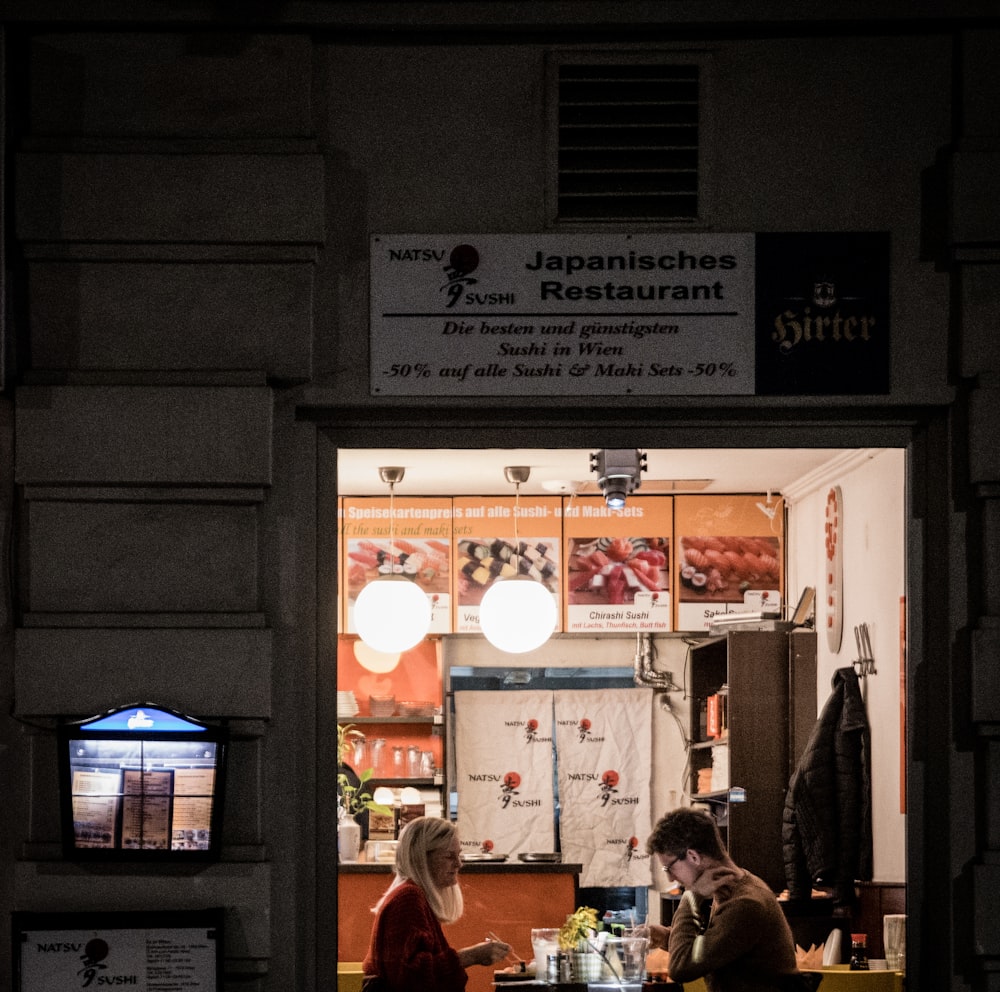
(576, 937)
(352, 798)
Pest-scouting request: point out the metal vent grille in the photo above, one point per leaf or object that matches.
(628, 142)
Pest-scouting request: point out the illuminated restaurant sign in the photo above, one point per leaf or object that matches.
(651, 314)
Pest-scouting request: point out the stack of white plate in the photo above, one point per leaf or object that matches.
(347, 705)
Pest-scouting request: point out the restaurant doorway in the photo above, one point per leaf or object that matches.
(781, 435)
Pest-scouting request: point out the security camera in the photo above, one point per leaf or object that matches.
(618, 471)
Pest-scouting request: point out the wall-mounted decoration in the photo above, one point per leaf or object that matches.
(834, 567)
(142, 782)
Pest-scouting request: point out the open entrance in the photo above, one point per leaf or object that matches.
(792, 474)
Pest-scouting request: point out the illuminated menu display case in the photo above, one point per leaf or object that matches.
(142, 782)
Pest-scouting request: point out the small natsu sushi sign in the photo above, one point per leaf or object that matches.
(489, 545)
(413, 541)
(618, 564)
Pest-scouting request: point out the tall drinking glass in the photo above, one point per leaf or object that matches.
(544, 941)
(633, 950)
(894, 937)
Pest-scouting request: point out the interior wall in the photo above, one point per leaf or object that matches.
(874, 569)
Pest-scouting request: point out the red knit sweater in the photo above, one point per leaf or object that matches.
(408, 947)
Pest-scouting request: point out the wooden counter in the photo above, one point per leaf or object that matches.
(507, 898)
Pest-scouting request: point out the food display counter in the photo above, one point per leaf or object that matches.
(508, 899)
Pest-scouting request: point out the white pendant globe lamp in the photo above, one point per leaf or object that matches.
(517, 614)
(392, 613)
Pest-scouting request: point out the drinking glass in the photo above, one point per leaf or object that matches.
(378, 747)
(413, 761)
(894, 938)
(360, 753)
(544, 941)
(634, 958)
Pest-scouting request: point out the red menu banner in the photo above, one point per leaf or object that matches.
(413, 541)
(486, 547)
(618, 564)
(729, 556)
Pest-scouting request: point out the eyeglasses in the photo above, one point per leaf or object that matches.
(670, 867)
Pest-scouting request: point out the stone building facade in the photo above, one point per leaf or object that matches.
(189, 193)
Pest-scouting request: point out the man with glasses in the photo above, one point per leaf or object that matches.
(728, 928)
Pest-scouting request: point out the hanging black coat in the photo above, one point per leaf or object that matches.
(827, 824)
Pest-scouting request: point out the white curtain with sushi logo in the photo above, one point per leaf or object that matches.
(604, 747)
(504, 772)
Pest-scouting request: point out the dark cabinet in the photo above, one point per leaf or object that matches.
(753, 706)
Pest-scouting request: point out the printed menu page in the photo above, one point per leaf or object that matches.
(191, 828)
(618, 564)
(95, 807)
(146, 809)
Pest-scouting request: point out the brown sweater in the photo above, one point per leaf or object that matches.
(746, 946)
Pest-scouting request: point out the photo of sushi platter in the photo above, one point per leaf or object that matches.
(612, 570)
(426, 562)
(723, 569)
(482, 560)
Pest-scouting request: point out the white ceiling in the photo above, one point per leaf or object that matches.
(471, 472)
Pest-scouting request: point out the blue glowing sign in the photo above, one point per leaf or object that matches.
(142, 720)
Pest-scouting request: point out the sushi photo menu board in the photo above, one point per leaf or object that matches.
(729, 557)
(617, 564)
(486, 547)
(413, 541)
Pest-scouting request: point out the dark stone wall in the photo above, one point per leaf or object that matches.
(188, 200)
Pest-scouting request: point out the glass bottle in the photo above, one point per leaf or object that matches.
(859, 952)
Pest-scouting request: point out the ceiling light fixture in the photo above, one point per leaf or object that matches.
(392, 613)
(618, 473)
(517, 614)
(768, 509)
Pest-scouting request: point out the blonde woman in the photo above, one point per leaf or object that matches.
(408, 947)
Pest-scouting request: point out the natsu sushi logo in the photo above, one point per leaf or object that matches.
(93, 961)
(583, 731)
(609, 783)
(486, 847)
(463, 260)
(531, 730)
(608, 791)
(508, 789)
(630, 850)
